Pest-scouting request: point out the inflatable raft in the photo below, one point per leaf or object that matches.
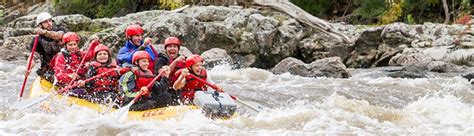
(42, 87)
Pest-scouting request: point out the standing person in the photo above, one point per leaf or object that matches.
(49, 44)
(134, 35)
(66, 62)
(171, 58)
(188, 85)
(134, 82)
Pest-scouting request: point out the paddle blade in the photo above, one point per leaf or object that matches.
(29, 102)
(252, 105)
(122, 113)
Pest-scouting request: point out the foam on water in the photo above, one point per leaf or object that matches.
(299, 105)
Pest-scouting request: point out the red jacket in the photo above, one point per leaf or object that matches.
(108, 82)
(143, 78)
(193, 85)
(65, 63)
(173, 76)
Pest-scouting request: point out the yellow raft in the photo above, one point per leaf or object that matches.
(43, 87)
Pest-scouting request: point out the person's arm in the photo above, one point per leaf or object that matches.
(60, 70)
(159, 63)
(56, 35)
(179, 59)
(181, 81)
(89, 56)
(125, 56)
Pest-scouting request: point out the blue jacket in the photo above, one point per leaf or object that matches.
(125, 53)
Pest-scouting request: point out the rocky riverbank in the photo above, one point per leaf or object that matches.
(266, 38)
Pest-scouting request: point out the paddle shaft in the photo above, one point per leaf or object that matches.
(209, 84)
(93, 44)
(148, 86)
(220, 90)
(30, 58)
(89, 79)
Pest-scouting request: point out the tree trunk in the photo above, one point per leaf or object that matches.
(304, 17)
(446, 11)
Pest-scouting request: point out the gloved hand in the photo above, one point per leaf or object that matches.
(145, 91)
(122, 71)
(147, 41)
(142, 48)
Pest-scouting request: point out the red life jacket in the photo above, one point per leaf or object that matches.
(151, 67)
(65, 63)
(142, 78)
(107, 82)
(193, 85)
(173, 77)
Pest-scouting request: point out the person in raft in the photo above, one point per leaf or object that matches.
(49, 44)
(135, 81)
(173, 60)
(187, 85)
(135, 42)
(102, 89)
(66, 62)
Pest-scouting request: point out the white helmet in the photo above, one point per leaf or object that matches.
(43, 17)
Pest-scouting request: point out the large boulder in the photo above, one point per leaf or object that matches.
(469, 76)
(15, 47)
(250, 34)
(365, 48)
(216, 56)
(10, 32)
(396, 34)
(327, 67)
(412, 57)
(23, 22)
(75, 22)
(321, 46)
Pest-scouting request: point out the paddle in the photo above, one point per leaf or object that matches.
(87, 80)
(123, 112)
(28, 67)
(91, 48)
(33, 101)
(256, 108)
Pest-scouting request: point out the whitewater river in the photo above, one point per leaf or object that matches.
(367, 103)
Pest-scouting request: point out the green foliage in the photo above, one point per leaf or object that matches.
(393, 13)
(314, 7)
(370, 9)
(170, 4)
(432, 2)
(1, 19)
(85, 7)
(410, 19)
(111, 8)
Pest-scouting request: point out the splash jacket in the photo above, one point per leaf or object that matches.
(125, 54)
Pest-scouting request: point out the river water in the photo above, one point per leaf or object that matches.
(367, 103)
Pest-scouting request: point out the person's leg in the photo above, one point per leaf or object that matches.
(143, 104)
(80, 93)
(161, 98)
(175, 97)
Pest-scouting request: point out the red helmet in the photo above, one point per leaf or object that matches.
(193, 60)
(133, 30)
(70, 36)
(101, 47)
(140, 55)
(172, 40)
